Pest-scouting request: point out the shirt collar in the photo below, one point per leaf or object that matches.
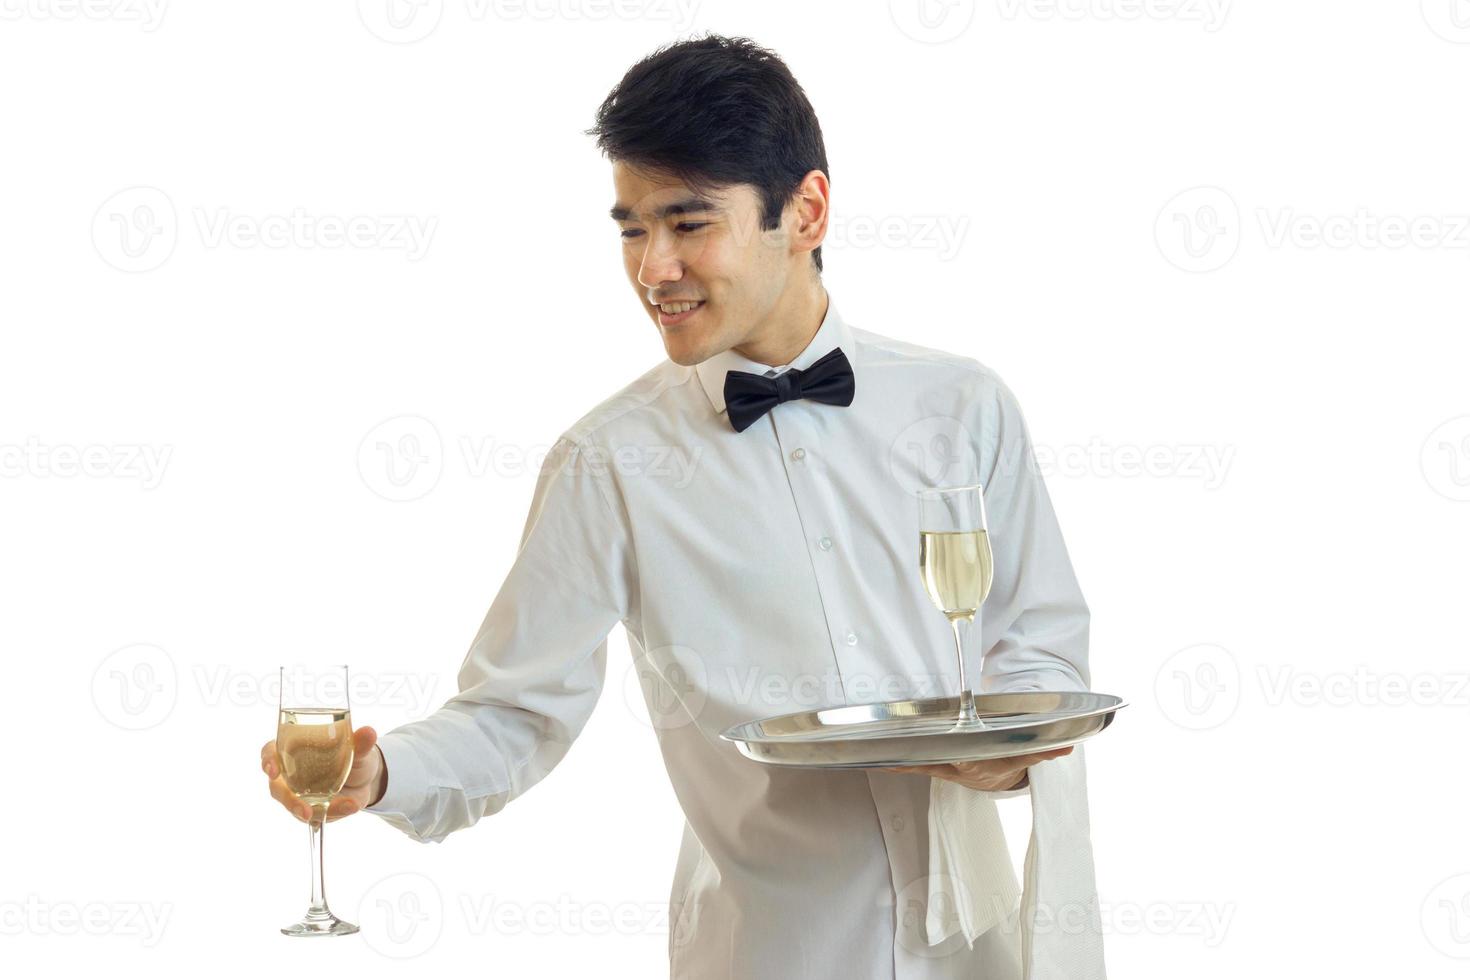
(834, 332)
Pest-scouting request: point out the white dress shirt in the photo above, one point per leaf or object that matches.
(759, 573)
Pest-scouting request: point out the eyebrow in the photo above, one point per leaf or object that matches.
(688, 205)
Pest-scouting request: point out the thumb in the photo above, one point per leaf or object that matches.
(364, 759)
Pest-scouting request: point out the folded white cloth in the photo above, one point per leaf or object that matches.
(972, 885)
(973, 888)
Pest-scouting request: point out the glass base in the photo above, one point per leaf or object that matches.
(326, 925)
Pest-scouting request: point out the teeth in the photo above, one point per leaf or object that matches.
(675, 308)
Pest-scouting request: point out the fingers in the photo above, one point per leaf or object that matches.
(341, 807)
(282, 793)
(363, 740)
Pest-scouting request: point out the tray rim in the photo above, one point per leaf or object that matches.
(729, 734)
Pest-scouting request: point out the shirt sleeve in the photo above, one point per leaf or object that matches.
(1034, 623)
(536, 667)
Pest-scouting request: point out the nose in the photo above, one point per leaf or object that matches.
(660, 262)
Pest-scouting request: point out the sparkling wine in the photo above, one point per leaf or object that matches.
(957, 569)
(315, 746)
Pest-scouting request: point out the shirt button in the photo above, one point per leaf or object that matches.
(798, 454)
(898, 823)
(851, 638)
(825, 544)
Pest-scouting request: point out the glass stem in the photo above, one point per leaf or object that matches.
(967, 698)
(318, 908)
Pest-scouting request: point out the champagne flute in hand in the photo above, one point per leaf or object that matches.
(956, 565)
(314, 745)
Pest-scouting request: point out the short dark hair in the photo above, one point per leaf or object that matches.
(714, 111)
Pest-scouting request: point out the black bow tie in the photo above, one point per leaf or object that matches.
(749, 396)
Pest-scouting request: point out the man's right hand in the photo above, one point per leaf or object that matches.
(364, 787)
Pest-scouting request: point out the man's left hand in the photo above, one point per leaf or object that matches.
(988, 774)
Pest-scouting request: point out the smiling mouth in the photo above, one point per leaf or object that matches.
(674, 319)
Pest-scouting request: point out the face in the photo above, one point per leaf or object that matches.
(679, 245)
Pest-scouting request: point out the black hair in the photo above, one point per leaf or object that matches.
(714, 111)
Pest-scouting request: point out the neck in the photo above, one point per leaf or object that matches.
(792, 325)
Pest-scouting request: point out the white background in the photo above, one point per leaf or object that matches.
(1228, 240)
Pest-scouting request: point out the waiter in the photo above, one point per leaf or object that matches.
(778, 573)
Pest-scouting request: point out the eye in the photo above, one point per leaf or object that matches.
(683, 226)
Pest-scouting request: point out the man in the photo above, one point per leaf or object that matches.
(779, 574)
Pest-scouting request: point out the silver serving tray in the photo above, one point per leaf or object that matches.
(920, 732)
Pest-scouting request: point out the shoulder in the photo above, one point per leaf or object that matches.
(632, 405)
(932, 366)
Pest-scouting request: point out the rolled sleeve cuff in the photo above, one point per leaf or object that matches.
(408, 784)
